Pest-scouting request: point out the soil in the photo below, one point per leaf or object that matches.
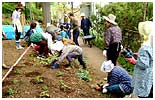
(31, 78)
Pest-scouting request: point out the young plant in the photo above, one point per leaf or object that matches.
(45, 88)
(15, 81)
(39, 79)
(10, 91)
(59, 73)
(17, 71)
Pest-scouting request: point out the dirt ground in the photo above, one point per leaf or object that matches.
(33, 78)
(21, 81)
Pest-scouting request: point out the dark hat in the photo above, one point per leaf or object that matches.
(19, 6)
(71, 14)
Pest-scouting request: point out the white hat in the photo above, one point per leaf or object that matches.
(57, 46)
(82, 14)
(145, 28)
(65, 14)
(107, 66)
(110, 18)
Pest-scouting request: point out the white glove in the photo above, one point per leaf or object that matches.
(105, 53)
(104, 90)
(105, 85)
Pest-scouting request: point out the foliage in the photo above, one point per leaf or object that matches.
(44, 94)
(128, 15)
(38, 79)
(59, 73)
(84, 75)
(15, 81)
(129, 67)
(10, 91)
(17, 71)
(45, 88)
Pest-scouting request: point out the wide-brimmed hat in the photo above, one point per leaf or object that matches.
(51, 29)
(82, 14)
(110, 18)
(145, 28)
(107, 66)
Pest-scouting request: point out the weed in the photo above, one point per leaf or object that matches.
(10, 91)
(45, 88)
(15, 81)
(39, 79)
(44, 94)
(59, 73)
(17, 71)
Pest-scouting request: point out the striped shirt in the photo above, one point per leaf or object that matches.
(120, 76)
(113, 35)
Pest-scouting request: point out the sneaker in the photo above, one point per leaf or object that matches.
(20, 47)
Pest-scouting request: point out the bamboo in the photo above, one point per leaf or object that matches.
(15, 63)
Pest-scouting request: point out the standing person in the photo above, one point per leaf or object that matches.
(113, 38)
(118, 80)
(143, 71)
(17, 25)
(75, 28)
(85, 24)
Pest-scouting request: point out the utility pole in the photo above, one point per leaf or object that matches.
(72, 6)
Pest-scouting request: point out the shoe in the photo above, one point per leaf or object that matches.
(20, 47)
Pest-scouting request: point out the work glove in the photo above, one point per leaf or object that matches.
(105, 53)
(105, 85)
(55, 66)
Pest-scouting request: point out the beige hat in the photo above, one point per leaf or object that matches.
(110, 18)
(107, 66)
(145, 28)
(82, 14)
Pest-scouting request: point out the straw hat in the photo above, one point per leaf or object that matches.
(107, 66)
(145, 28)
(82, 14)
(110, 18)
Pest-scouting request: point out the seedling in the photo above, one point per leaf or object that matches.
(15, 81)
(44, 94)
(59, 73)
(39, 79)
(10, 91)
(63, 84)
(17, 71)
(45, 88)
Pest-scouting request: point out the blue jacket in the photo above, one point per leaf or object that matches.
(120, 76)
(85, 24)
(143, 72)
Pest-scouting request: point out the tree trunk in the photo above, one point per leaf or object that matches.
(46, 13)
(145, 8)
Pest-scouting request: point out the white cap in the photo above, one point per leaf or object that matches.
(82, 14)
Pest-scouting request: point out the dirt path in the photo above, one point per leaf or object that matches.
(93, 56)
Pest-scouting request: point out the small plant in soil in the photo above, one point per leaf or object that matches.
(59, 73)
(44, 94)
(15, 81)
(45, 88)
(10, 91)
(17, 71)
(63, 86)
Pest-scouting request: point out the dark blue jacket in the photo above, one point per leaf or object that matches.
(85, 24)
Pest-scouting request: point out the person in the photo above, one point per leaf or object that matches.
(113, 38)
(118, 80)
(85, 24)
(69, 51)
(17, 25)
(74, 27)
(142, 79)
(43, 41)
(30, 31)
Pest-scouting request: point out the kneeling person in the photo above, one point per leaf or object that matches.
(118, 79)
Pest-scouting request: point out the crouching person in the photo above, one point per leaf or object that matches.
(118, 80)
(69, 52)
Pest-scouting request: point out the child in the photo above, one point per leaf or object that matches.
(119, 81)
